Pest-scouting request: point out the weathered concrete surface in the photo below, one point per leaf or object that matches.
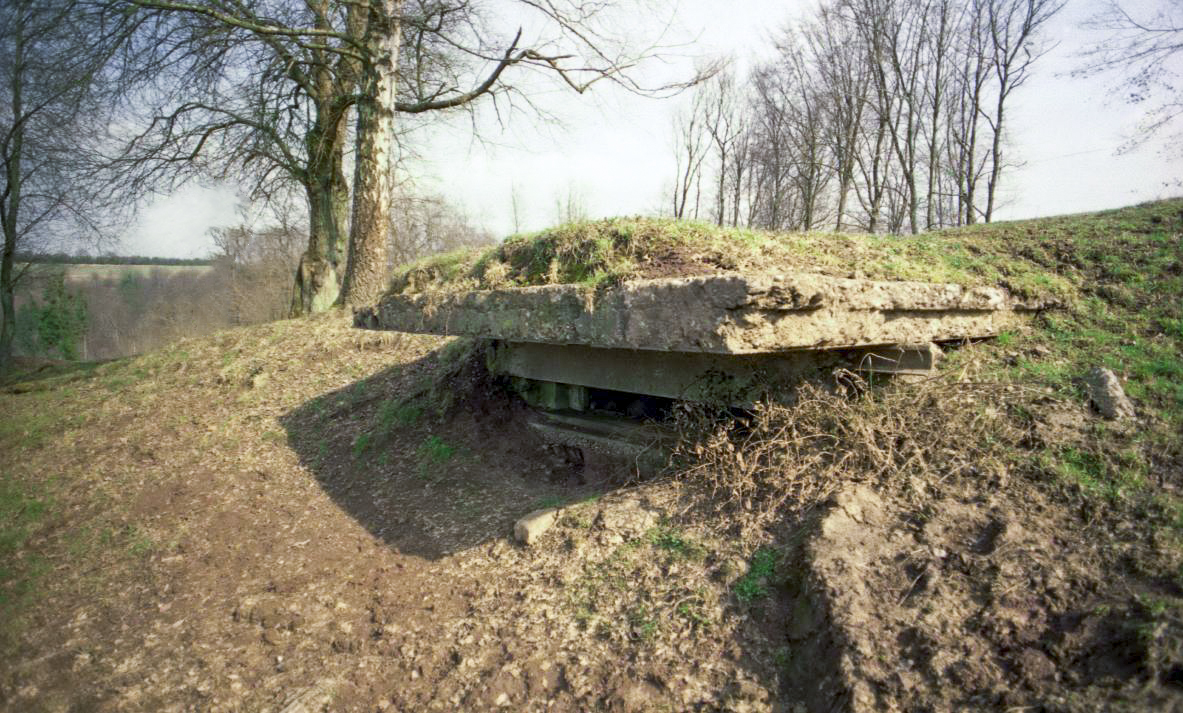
(561, 374)
(530, 528)
(722, 314)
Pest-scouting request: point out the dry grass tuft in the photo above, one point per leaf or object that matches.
(779, 458)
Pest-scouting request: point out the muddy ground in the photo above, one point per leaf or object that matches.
(277, 519)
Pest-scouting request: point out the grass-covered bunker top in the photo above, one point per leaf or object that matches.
(610, 251)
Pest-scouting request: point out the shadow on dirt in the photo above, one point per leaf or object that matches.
(433, 457)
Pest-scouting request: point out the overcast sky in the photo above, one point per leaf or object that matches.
(613, 150)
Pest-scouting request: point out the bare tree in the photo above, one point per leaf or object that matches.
(515, 205)
(843, 74)
(455, 59)
(1013, 27)
(691, 147)
(426, 224)
(57, 76)
(723, 121)
(885, 114)
(966, 160)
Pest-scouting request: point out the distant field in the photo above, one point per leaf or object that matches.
(86, 273)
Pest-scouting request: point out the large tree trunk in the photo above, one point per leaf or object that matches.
(10, 205)
(318, 278)
(7, 308)
(365, 274)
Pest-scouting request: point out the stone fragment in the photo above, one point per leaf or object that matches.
(627, 518)
(528, 529)
(1106, 394)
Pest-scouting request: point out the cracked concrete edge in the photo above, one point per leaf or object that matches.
(726, 314)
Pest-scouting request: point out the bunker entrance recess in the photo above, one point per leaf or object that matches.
(633, 348)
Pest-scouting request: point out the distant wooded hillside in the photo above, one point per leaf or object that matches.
(63, 259)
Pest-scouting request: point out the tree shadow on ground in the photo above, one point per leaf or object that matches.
(431, 485)
(432, 471)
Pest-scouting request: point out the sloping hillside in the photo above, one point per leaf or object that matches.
(303, 516)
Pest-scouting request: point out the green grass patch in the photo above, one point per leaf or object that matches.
(675, 543)
(22, 513)
(361, 444)
(553, 501)
(398, 413)
(433, 453)
(754, 585)
(436, 450)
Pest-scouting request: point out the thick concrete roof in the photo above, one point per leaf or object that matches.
(721, 314)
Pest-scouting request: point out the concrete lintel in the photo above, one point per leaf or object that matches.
(560, 375)
(677, 375)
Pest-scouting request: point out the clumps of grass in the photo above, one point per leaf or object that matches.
(361, 444)
(435, 450)
(625, 597)
(398, 413)
(1112, 474)
(1152, 630)
(642, 623)
(433, 453)
(693, 608)
(675, 544)
(754, 585)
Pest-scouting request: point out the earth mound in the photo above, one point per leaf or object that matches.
(304, 516)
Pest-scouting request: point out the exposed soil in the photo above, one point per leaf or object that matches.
(277, 519)
(284, 563)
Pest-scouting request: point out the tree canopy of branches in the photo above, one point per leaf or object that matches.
(877, 114)
(1141, 50)
(263, 92)
(59, 67)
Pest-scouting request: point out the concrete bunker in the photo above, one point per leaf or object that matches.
(591, 359)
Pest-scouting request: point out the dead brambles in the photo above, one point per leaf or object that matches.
(779, 457)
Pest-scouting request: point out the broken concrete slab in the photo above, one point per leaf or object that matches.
(530, 528)
(642, 445)
(719, 314)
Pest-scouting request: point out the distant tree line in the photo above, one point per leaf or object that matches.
(64, 259)
(880, 115)
(249, 280)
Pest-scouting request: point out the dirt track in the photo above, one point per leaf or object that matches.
(279, 560)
